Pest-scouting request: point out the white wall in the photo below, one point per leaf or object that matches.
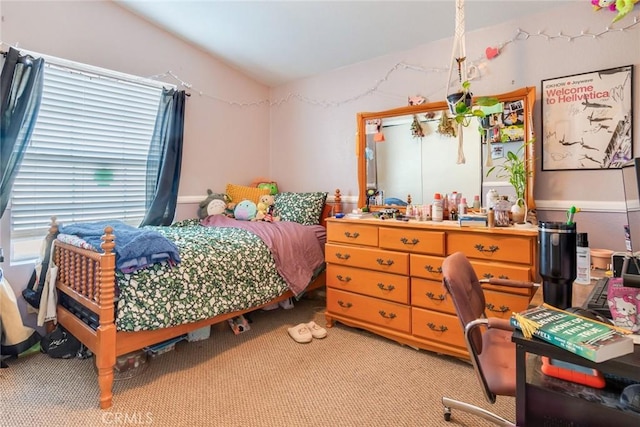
(313, 143)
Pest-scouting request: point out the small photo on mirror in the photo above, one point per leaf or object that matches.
(497, 151)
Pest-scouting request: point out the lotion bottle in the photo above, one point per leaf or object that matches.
(583, 259)
(437, 208)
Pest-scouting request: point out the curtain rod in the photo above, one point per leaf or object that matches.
(79, 66)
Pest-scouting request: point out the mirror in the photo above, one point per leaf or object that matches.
(402, 152)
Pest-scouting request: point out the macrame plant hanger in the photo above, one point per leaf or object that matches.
(458, 56)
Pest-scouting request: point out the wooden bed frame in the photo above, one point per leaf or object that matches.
(88, 278)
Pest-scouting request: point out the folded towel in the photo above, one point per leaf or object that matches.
(132, 243)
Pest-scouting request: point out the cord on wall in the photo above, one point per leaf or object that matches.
(474, 67)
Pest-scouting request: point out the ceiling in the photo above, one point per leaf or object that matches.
(276, 42)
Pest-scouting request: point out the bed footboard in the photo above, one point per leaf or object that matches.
(87, 278)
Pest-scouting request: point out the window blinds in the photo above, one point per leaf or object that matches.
(87, 158)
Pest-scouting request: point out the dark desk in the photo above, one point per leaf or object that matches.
(539, 404)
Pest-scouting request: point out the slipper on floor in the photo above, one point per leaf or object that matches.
(316, 331)
(300, 333)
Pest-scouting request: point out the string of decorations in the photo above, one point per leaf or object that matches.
(473, 71)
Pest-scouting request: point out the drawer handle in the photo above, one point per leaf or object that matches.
(387, 288)
(432, 296)
(340, 256)
(387, 316)
(406, 241)
(433, 327)
(344, 305)
(489, 276)
(343, 279)
(491, 249)
(383, 262)
(502, 309)
(351, 236)
(430, 269)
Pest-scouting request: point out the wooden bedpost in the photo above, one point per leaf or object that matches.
(337, 205)
(106, 332)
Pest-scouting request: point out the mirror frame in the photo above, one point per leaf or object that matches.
(528, 94)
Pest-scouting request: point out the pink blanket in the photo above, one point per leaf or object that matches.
(297, 249)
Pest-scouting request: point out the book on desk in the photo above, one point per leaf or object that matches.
(593, 340)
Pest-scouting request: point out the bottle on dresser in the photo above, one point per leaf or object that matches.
(437, 208)
(583, 259)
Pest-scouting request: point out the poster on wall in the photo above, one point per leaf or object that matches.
(587, 120)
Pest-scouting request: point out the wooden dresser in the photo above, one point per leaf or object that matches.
(385, 276)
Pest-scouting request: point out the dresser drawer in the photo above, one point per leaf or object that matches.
(368, 309)
(373, 259)
(500, 304)
(391, 287)
(488, 270)
(425, 266)
(431, 295)
(495, 247)
(412, 240)
(357, 234)
(434, 326)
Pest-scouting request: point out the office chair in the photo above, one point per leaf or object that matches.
(488, 340)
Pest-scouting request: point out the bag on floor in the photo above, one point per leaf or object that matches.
(60, 344)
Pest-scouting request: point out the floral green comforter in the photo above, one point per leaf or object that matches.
(222, 270)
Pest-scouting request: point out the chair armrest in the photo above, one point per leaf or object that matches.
(510, 283)
(498, 323)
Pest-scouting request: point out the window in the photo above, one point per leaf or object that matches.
(87, 158)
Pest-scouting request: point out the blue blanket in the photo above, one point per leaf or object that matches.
(135, 247)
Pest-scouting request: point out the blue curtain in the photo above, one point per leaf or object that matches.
(165, 159)
(20, 95)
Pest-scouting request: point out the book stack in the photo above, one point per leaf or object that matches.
(472, 220)
(585, 337)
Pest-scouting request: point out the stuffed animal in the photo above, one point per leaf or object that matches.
(245, 210)
(266, 209)
(214, 204)
(272, 186)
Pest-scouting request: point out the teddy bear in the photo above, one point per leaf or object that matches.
(266, 209)
(214, 204)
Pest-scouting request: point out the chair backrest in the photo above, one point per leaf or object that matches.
(461, 282)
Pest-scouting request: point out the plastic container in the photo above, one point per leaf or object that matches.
(462, 207)
(476, 203)
(601, 258)
(583, 259)
(491, 218)
(437, 208)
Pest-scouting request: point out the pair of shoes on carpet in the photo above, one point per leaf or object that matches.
(306, 332)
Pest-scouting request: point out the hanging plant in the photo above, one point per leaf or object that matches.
(416, 128)
(445, 126)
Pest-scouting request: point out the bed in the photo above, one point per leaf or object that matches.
(93, 295)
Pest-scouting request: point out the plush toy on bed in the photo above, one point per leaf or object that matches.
(245, 211)
(214, 204)
(266, 209)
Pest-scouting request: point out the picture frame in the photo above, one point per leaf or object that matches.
(587, 120)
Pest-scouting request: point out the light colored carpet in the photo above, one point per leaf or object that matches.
(258, 378)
